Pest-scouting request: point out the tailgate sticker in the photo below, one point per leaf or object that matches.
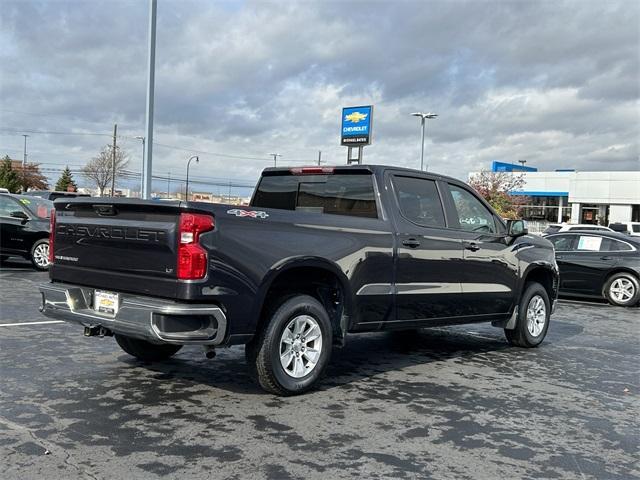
(247, 213)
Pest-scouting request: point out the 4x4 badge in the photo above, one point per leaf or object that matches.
(247, 213)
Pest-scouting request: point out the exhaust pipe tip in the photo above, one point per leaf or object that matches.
(209, 352)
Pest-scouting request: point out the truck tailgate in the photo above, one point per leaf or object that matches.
(117, 244)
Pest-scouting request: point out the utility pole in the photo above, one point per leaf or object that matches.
(24, 157)
(319, 157)
(169, 185)
(113, 161)
(146, 175)
(275, 157)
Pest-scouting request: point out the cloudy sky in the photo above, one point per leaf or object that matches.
(554, 83)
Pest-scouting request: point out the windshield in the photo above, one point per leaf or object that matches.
(39, 207)
(552, 229)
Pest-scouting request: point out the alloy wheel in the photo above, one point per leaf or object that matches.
(300, 346)
(536, 315)
(622, 290)
(41, 255)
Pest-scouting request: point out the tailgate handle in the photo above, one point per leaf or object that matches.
(105, 210)
(411, 243)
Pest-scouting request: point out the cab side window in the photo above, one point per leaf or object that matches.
(419, 201)
(472, 214)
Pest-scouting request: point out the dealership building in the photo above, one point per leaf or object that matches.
(577, 197)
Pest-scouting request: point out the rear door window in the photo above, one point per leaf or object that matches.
(338, 194)
(419, 201)
(613, 245)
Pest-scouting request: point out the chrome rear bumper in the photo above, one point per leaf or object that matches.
(148, 318)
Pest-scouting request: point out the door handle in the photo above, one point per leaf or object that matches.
(474, 247)
(411, 243)
(606, 258)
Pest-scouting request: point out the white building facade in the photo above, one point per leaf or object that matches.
(577, 197)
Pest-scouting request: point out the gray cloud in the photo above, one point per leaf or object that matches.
(553, 82)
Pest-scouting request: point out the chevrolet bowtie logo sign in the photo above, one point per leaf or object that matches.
(356, 117)
(356, 126)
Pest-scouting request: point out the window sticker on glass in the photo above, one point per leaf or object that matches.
(589, 243)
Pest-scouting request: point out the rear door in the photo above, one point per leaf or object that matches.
(490, 268)
(428, 258)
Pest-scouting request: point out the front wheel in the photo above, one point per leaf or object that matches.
(291, 352)
(622, 289)
(149, 352)
(40, 254)
(534, 312)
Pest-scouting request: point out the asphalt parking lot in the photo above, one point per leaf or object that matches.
(450, 403)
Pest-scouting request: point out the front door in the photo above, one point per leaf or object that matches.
(428, 259)
(490, 266)
(11, 237)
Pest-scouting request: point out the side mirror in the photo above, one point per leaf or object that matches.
(517, 228)
(19, 214)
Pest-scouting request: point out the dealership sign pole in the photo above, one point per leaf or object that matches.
(356, 128)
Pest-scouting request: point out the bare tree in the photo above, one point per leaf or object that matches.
(99, 170)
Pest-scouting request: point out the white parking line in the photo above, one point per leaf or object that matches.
(30, 323)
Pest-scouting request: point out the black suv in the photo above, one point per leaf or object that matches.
(24, 228)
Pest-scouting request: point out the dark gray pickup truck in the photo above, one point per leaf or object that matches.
(321, 252)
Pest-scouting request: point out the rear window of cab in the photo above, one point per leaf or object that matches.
(336, 194)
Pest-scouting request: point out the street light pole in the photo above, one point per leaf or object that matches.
(423, 121)
(146, 176)
(186, 193)
(139, 137)
(24, 156)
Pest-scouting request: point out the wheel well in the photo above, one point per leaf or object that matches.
(544, 277)
(319, 283)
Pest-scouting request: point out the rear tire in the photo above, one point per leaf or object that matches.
(40, 255)
(534, 312)
(622, 289)
(288, 356)
(149, 352)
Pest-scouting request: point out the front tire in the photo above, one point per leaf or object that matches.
(288, 356)
(146, 351)
(622, 289)
(534, 312)
(40, 255)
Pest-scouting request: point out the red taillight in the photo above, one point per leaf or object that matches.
(311, 170)
(192, 258)
(52, 231)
